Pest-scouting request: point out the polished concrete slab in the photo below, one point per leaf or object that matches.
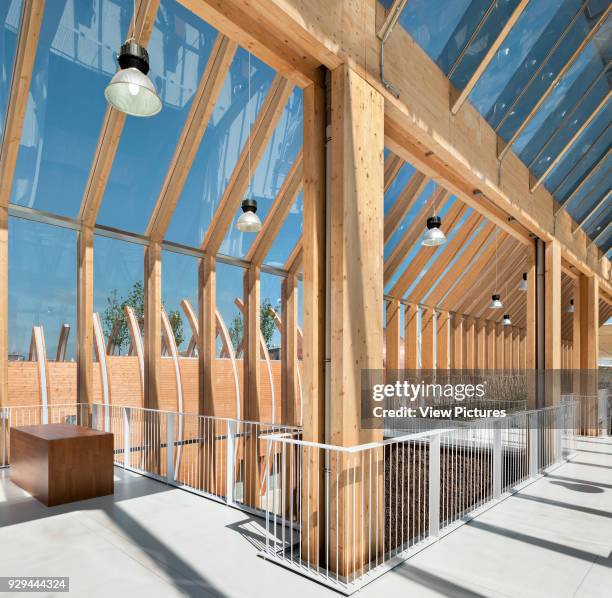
(554, 539)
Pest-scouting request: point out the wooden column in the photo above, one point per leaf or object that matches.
(313, 310)
(207, 346)
(393, 335)
(85, 294)
(470, 343)
(530, 323)
(4, 315)
(499, 347)
(289, 351)
(589, 323)
(481, 344)
(411, 337)
(523, 350)
(552, 294)
(457, 342)
(356, 284)
(516, 343)
(576, 318)
(152, 325)
(507, 347)
(491, 345)
(428, 330)
(442, 342)
(252, 348)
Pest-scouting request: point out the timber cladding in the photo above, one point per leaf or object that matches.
(126, 387)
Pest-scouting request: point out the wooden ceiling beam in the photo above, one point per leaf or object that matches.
(395, 259)
(407, 198)
(23, 66)
(205, 98)
(393, 164)
(458, 97)
(263, 128)
(294, 262)
(112, 127)
(445, 257)
(451, 220)
(278, 213)
(460, 266)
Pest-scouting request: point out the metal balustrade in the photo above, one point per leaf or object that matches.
(345, 515)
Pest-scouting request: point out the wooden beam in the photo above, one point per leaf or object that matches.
(393, 164)
(589, 323)
(481, 344)
(552, 294)
(460, 266)
(289, 353)
(442, 341)
(458, 354)
(491, 345)
(294, 262)
(392, 335)
(411, 337)
(534, 184)
(276, 48)
(407, 198)
(428, 332)
(112, 127)
(152, 325)
(458, 97)
(17, 103)
(391, 17)
(207, 345)
(450, 221)
(279, 210)
(262, 130)
(85, 314)
(203, 103)
(503, 146)
(404, 245)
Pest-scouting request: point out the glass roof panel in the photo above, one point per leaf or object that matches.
(432, 22)
(590, 194)
(225, 136)
(562, 107)
(520, 56)
(10, 13)
(588, 150)
(66, 105)
(178, 50)
(276, 162)
(599, 222)
(559, 56)
(288, 235)
(398, 185)
(578, 105)
(500, 12)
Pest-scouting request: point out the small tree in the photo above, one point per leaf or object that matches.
(267, 326)
(115, 319)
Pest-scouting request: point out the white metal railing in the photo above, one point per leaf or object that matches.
(220, 458)
(345, 515)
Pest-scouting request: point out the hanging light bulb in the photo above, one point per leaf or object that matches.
(507, 321)
(248, 221)
(433, 235)
(130, 90)
(570, 308)
(495, 302)
(523, 285)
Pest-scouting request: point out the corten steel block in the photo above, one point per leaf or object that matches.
(61, 463)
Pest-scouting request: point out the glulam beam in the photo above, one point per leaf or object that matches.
(252, 152)
(277, 214)
(203, 103)
(112, 127)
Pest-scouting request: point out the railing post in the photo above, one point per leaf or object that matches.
(533, 446)
(434, 486)
(126, 437)
(230, 465)
(497, 461)
(4, 423)
(170, 448)
(94, 417)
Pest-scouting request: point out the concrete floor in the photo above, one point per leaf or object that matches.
(554, 539)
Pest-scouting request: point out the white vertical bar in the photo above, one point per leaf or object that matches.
(434, 486)
(170, 448)
(126, 437)
(4, 422)
(533, 448)
(229, 462)
(497, 462)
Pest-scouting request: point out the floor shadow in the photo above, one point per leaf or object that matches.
(580, 440)
(585, 488)
(573, 462)
(605, 453)
(540, 542)
(433, 582)
(578, 481)
(564, 505)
